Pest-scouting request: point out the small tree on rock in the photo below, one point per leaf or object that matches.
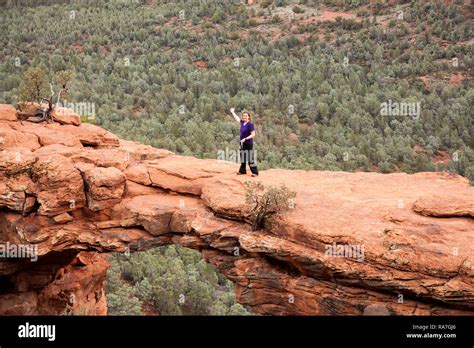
(265, 202)
(34, 85)
(63, 79)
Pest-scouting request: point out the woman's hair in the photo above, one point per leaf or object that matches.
(248, 113)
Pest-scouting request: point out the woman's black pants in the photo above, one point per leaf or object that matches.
(247, 155)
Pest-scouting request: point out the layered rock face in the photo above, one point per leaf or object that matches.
(349, 244)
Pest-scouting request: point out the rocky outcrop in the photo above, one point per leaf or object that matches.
(350, 243)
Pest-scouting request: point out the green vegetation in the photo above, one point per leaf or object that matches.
(168, 280)
(135, 62)
(34, 85)
(165, 73)
(264, 202)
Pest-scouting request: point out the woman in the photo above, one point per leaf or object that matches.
(247, 133)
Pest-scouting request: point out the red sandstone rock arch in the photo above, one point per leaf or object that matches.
(78, 192)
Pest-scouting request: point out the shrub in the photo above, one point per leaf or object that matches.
(34, 85)
(276, 19)
(297, 9)
(263, 203)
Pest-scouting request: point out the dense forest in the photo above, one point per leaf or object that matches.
(315, 75)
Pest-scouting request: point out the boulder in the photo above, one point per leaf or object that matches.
(7, 113)
(66, 116)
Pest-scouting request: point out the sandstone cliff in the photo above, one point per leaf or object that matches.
(78, 192)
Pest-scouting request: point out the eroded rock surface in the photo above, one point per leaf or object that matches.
(75, 192)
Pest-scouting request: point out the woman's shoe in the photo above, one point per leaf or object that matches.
(254, 174)
(239, 173)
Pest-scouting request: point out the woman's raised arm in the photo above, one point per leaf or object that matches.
(232, 111)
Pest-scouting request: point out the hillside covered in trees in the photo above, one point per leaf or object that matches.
(166, 72)
(169, 280)
(317, 77)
